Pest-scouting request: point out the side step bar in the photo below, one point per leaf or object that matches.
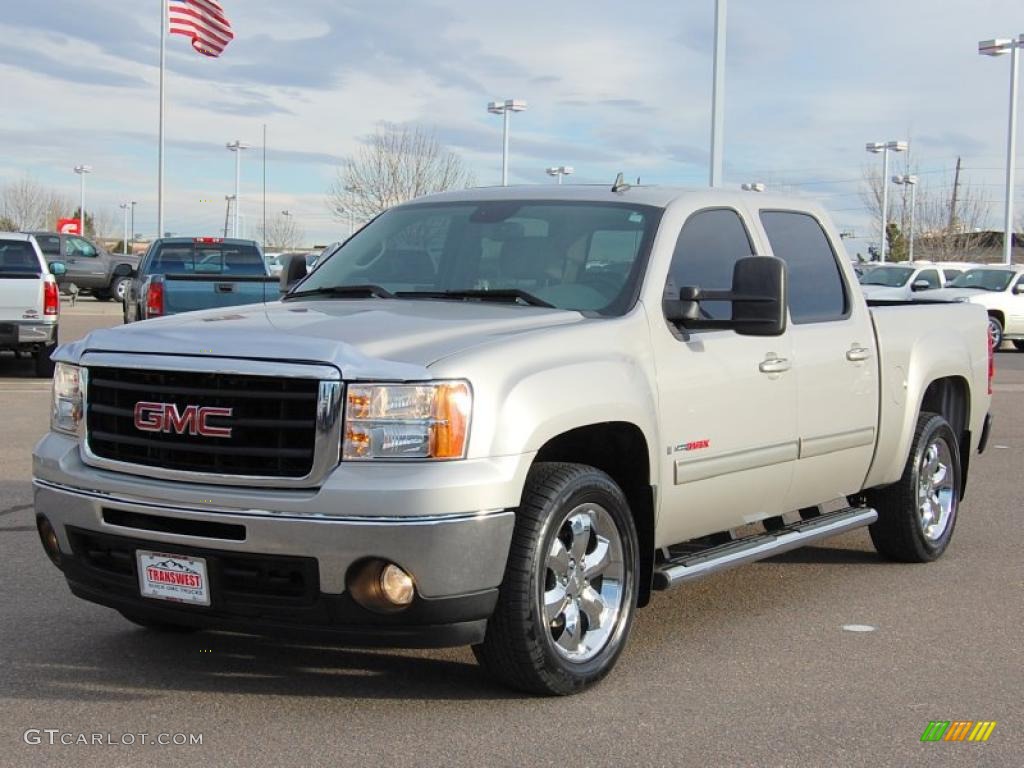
(695, 565)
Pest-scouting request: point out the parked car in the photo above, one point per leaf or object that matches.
(91, 267)
(900, 281)
(274, 263)
(1000, 289)
(501, 418)
(29, 300)
(183, 274)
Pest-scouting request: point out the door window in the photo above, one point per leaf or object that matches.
(930, 276)
(709, 245)
(816, 290)
(80, 247)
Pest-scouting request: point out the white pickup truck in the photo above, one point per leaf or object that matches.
(29, 301)
(501, 418)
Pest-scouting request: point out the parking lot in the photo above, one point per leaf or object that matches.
(751, 667)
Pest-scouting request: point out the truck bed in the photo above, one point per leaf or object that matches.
(187, 293)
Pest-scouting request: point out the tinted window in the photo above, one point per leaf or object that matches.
(83, 248)
(951, 274)
(984, 279)
(49, 244)
(17, 257)
(573, 255)
(207, 259)
(816, 291)
(930, 276)
(708, 246)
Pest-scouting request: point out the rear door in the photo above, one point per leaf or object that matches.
(835, 362)
(727, 402)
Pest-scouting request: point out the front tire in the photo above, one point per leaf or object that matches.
(569, 594)
(917, 514)
(995, 332)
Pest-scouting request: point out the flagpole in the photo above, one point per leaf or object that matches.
(160, 151)
(264, 185)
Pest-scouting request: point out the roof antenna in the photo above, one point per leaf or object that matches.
(620, 184)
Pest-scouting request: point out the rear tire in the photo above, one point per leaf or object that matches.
(43, 363)
(169, 627)
(917, 514)
(117, 288)
(569, 594)
(101, 295)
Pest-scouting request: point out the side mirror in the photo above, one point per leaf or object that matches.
(58, 268)
(294, 270)
(758, 298)
(920, 285)
(1018, 288)
(124, 270)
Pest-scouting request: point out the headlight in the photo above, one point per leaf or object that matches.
(66, 415)
(407, 421)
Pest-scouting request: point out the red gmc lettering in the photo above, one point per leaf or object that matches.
(192, 419)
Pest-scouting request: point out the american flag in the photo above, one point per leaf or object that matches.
(204, 22)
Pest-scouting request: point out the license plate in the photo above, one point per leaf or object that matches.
(176, 578)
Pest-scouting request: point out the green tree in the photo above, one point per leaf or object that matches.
(90, 224)
(898, 244)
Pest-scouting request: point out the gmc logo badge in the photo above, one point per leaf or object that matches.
(192, 419)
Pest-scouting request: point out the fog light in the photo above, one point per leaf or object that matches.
(397, 585)
(380, 586)
(48, 537)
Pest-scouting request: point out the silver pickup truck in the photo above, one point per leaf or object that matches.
(503, 417)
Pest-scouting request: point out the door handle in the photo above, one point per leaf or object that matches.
(774, 364)
(858, 354)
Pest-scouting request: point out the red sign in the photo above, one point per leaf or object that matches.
(69, 226)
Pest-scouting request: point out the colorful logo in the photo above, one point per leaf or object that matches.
(958, 730)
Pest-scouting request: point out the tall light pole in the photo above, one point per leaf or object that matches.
(124, 243)
(718, 96)
(81, 170)
(998, 48)
(133, 203)
(559, 171)
(884, 147)
(505, 108)
(909, 180)
(237, 146)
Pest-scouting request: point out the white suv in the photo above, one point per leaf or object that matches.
(29, 300)
(1000, 289)
(901, 281)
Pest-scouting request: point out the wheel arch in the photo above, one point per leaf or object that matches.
(950, 397)
(620, 450)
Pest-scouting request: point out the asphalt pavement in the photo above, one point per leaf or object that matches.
(751, 667)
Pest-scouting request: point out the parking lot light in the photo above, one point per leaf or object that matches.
(1000, 47)
(81, 170)
(909, 180)
(884, 148)
(559, 171)
(504, 108)
(755, 186)
(237, 146)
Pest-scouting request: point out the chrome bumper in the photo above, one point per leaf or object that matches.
(448, 555)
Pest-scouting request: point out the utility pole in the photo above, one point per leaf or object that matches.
(952, 202)
(718, 96)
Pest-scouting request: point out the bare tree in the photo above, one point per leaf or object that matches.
(283, 233)
(398, 163)
(31, 205)
(937, 239)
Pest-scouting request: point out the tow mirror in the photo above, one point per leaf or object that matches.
(293, 271)
(58, 268)
(758, 299)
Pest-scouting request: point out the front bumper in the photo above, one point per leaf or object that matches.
(457, 557)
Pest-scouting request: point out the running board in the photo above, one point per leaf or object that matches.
(695, 565)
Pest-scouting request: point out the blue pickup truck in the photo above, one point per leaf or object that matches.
(182, 274)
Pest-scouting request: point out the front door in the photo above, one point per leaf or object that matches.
(728, 402)
(85, 268)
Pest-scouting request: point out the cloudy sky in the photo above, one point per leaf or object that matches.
(611, 86)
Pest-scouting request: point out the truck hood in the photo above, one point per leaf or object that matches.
(365, 338)
(959, 294)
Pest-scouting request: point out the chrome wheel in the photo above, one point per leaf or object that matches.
(995, 333)
(582, 590)
(936, 490)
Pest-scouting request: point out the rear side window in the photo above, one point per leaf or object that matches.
(709, 245)
(49, 245)
(816, 290)
(18, 257)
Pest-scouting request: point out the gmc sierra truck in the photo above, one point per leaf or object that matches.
(501, 418)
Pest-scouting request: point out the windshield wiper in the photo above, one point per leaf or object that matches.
(346, 292)
(504, 295)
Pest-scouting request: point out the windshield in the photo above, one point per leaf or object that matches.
(985, 279)
(206, 259)
(18, 257)
(891, 277)
(572, 255)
